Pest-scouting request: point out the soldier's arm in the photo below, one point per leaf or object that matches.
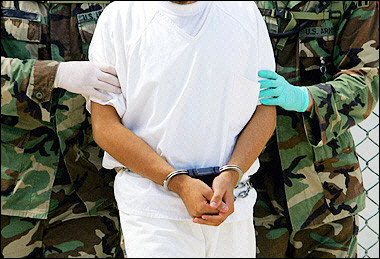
(30, 84)
(353, 93)
(26, 87)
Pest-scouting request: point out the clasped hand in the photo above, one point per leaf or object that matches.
(209, 206)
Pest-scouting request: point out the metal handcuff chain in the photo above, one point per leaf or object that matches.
(246, 184)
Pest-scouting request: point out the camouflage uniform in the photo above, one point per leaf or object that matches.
(56, 199)
(309, 184)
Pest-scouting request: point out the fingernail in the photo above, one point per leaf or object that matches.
(213, 204)
(224, 207)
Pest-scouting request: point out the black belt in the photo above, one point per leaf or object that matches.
(207, 175)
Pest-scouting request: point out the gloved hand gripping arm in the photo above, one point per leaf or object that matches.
(87, 78)
(275, 90)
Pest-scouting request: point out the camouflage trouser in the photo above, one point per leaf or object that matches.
(275, 239)
(333, 240)
(67, 232)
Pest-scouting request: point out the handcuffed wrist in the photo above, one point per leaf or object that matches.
(170, 176)
(232, 168)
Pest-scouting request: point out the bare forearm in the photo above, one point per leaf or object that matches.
(127, 148)
(253, 138)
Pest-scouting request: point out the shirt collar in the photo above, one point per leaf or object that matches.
(183, 10)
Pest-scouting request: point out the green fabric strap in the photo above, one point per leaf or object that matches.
(337, 10)
(335, 13)
(311, 16)
(325, 15)
(291, 25)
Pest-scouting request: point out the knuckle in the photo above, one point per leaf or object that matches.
(110, 67)
(96, 76)
(105, 76)
(94, 84)
(106, 87)
(217, 198)
(218, 195)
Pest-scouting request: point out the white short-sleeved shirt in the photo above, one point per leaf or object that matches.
(187, 90)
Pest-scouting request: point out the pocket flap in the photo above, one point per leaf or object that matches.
(20, 25)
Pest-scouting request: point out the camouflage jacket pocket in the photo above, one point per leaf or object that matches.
(340, 174)
(20, 25)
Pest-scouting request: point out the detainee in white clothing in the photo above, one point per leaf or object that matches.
(188, 74)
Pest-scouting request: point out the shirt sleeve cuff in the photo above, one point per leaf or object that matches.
(117, 101)
(316, 125)
(312, 127)
(42, 80)
(40, 85)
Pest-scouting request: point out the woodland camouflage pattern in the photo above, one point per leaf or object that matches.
(309, 172)
(58, 237)
(332, 240)
(48, 155)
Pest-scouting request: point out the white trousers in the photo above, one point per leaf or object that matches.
(151, 238)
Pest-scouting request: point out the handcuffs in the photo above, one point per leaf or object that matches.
(207, 175)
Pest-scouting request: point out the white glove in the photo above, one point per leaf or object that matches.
(87, 78)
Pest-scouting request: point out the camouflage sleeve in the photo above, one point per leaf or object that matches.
(353, 93)
(26, 87)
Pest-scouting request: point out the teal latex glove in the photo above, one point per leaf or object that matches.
(275, 90)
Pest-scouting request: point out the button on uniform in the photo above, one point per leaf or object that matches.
(39, 95)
